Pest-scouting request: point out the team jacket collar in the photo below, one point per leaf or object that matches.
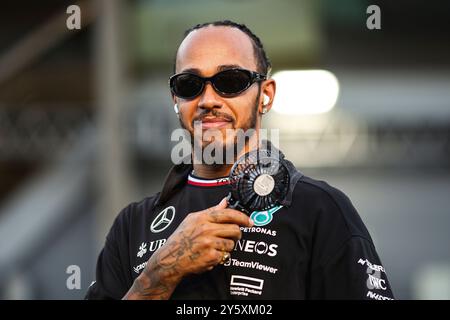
(200, 182)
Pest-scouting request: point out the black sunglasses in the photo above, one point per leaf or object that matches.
(227, 83)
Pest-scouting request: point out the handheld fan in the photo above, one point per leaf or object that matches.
(259, 181)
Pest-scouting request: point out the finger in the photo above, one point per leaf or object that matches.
(224, 244)
(230, 231)
(222, 205)
(212, 257)
(221, 257)
(230, 216)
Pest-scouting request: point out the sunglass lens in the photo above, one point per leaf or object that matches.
(232, 81)
(187, 85)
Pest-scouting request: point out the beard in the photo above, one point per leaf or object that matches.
(233, 147)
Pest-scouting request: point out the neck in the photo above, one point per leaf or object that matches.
(208, 171)
(212, 171)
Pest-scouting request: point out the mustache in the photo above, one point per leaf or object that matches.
(213, 113)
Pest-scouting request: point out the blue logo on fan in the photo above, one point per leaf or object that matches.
(261, 218)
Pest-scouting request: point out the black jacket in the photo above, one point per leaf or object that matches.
(315, 246)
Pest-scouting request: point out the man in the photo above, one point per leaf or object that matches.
(185, 243)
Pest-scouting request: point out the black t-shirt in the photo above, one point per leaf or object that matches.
(315, 248)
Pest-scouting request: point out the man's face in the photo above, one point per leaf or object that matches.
(206, 52)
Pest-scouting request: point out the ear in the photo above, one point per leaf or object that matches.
(268, 89)
(176, 107)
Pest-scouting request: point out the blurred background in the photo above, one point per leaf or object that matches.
(86, 119)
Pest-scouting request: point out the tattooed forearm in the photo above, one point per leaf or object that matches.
(153, 291)
(195, 247)
(161, 275)
(171, 253)
(152, 284)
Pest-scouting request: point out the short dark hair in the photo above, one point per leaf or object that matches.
(263, 63)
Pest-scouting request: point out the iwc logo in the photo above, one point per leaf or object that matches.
(163, 220)
(261, 218)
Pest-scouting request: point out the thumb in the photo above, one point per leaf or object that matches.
(222, 204)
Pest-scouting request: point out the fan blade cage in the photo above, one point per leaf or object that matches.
(245, 172)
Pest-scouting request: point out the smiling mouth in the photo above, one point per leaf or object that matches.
(214, 123)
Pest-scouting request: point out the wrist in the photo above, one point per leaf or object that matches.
(154, 273)
(154, 283)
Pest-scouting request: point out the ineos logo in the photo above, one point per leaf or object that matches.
(163, 220)
(258, 247)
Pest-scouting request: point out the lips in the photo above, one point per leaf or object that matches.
(214, 122)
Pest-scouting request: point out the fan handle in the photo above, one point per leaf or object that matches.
(235, 204)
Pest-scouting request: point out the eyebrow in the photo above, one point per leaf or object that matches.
(228, 66)
(219, 68)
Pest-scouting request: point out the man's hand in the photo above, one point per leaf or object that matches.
(196, 246)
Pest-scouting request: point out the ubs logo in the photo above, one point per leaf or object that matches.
(163, 220)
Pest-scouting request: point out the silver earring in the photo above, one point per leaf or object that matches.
(264, 110)
(175, 108)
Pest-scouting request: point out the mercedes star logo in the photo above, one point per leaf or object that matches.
(163, 220)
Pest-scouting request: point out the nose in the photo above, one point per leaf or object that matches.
(209, 98)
